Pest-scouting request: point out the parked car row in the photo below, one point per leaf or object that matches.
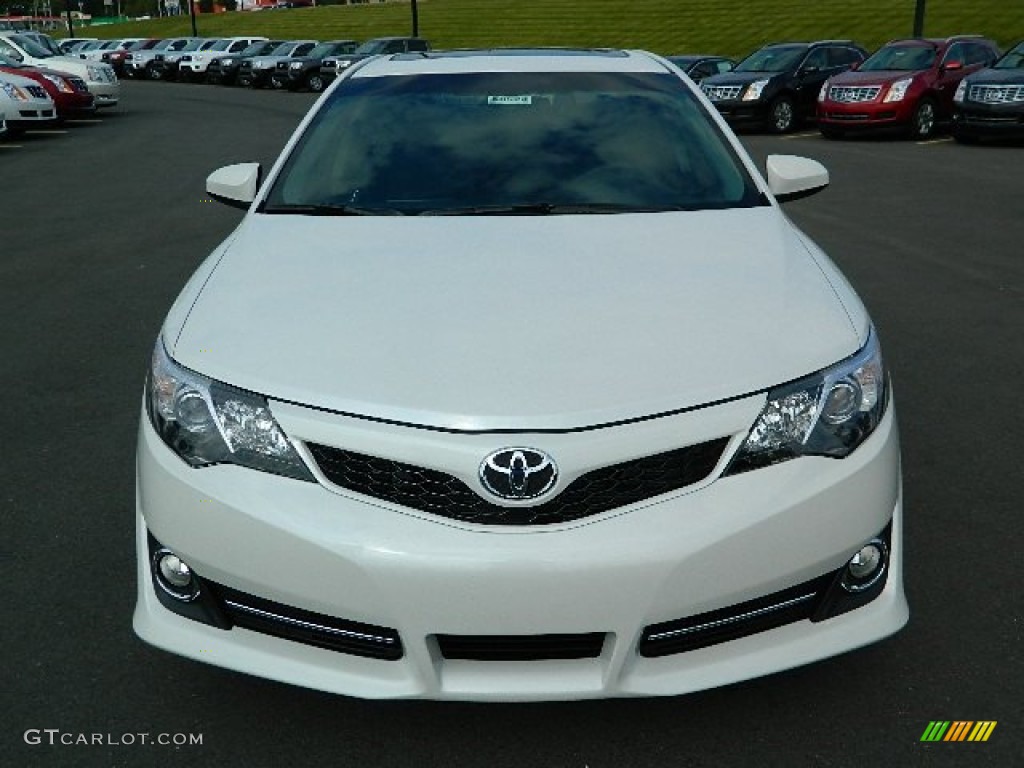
(40, 85)
(910, 86)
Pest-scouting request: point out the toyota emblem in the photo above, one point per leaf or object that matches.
(518, 473)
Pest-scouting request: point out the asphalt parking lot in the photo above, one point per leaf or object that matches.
(102, 222)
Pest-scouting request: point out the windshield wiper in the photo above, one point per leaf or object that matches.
(546, 209)
(329, 209)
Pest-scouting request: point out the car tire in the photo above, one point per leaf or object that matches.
(276, 84)
(922, 124)
(782, 114)
(244, 81)
(315, 83)
(152, 73)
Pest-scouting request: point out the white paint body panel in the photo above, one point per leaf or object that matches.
(597, 339)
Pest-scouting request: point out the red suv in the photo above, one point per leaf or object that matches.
(906, 85)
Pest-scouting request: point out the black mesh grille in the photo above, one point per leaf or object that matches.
(307, 627)
(521, 647)
(441, 494)
(759, 615)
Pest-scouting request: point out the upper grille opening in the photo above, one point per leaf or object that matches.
(598, 491)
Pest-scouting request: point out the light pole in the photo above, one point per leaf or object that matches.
(415, 19)
(192, 14)
(919, 19)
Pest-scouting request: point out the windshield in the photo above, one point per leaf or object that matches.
(163, 45)
(777, 58)
(899, 58)
(283, 49)
(217, 45)
(32, 48)
(372, 46)
(138, 45)
(326, 49)
(258, 49)
(511, 143)
(1012, 59)
(7, 61)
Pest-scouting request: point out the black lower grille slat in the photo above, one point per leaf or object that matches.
(736, 621)
(598, 491)
(289, 623)
(521, 647)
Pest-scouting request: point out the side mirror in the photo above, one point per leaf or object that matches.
(952, 66)
(791, 177)
(855, 66)
(235, 185)
(809, 70)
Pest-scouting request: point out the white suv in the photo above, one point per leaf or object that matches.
(99, 77)
(23, 104)
(193, 66)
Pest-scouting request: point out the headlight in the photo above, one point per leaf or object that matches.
(898, 90)
(94, 73)
(296, 65)
(343, 63)
(823, 92)
(225, 62)
(961, 91)
(14, 92)
(827, 414)
(753, 92)
(206, 422)
(62, 85)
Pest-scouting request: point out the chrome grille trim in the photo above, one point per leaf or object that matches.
(845, 94)
(732, 619)
(722, 92)
(996, 94)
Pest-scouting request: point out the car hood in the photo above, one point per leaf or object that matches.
(998, 77)
(739, 78)
(877, 77)
(480, 323)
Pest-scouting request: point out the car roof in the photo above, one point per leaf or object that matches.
(511, 60)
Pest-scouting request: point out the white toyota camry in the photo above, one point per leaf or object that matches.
(516, 383)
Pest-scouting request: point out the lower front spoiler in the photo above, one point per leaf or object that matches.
(616, 667)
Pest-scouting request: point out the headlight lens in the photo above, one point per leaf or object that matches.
(753, 92)
(14, 92)
(296, 65)
(961, 91)
(823, 92)
(225, 62)
(898, 89)
(94, 73)
(206, 422)
(827, 414)
(62, 85)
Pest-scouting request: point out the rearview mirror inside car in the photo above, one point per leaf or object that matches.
(791, 177)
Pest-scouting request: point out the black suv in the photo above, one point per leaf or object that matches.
(990, 103)
(224, 69)
(304, 71)
(335, 65)
(778, 85)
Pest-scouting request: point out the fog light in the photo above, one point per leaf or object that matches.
(866, 567)
(174, 576)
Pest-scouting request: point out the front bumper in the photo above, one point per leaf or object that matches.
(718, 543)
(975, 119)
(865, 115)
(106, 94)
(744, 113)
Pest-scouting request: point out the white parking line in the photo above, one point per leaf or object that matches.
(805, 135)
(82, 121)
(935, 141)
(45, 132)
(10, 146)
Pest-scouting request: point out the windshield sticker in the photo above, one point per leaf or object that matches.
(510, 100)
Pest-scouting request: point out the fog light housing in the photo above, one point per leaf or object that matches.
(866, 567)
(859, 581)
(173, 575)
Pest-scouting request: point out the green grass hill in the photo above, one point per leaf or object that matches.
(663, 26)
